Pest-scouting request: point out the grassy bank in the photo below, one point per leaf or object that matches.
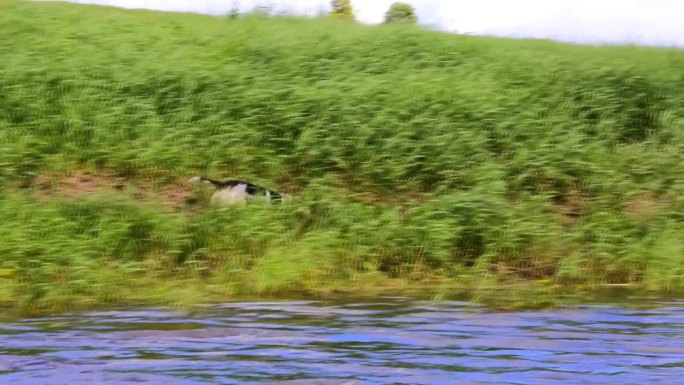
(417, 159)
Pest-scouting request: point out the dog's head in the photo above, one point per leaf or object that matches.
(198, 179)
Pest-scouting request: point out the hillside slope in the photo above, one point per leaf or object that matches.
(412, 154)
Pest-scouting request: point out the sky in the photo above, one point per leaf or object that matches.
(642, 22)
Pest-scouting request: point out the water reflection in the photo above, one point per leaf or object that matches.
(396, 341)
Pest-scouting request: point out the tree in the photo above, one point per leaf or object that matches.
(342, 9)
(400, 13)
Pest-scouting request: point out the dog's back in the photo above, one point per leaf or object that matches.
(237, 191)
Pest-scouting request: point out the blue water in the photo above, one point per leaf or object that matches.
(392, 341)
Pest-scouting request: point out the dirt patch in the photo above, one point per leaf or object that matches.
(79, 184)
(643, 206)
(570, 208)
(75, 184)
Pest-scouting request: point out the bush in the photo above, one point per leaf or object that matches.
(400, 13)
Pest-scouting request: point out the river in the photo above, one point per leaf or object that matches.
(392, 340)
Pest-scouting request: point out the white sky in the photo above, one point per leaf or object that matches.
(647, 22)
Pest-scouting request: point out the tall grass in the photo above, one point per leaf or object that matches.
(412, 154)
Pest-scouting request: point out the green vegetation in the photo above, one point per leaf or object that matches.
(400, 13)
(418, 160)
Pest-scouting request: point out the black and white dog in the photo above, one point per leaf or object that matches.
(239, 192)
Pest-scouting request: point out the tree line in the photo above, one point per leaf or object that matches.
(398, 12)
